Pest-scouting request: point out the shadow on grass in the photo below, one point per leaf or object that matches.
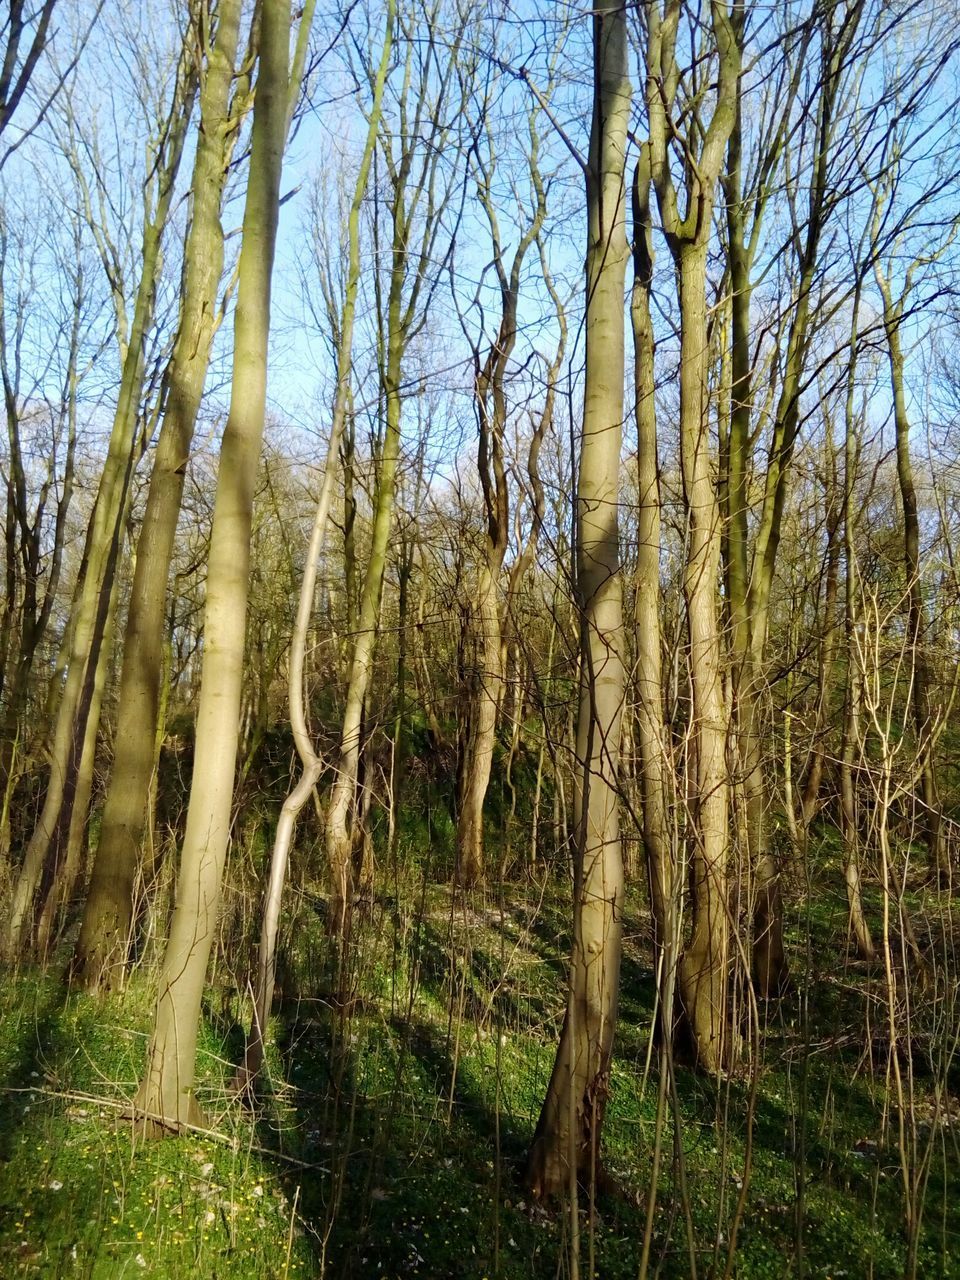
(29, 1056)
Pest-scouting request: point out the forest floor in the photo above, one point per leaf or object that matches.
(394, 1119)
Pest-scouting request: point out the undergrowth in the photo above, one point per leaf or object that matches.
(391, 1130)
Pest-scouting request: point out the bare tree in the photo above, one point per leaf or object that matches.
(310, 759)
(566, 1143)
(704, 964)
(101, 946)
(166, 1096)
(71, 760)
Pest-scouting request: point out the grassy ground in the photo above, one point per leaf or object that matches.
(395, 1122)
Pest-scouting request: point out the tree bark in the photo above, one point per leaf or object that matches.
(566, 1143)
(101, 951)
(921, 706)
(416, 203)
(166, 1095)
(851, 726)
(108, 520)
(651, 735)
(310, 761)
(703, 966)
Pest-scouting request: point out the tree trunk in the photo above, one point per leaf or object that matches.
(62, 872)
(92, 611)
(923, 717)
(486, 681)
(339, 836)
(416, 203)
(311, 763)
(827, 646)
(166, 1095)
(567, 1140)
(650, 731)
(851, 726)
(101, 950)
(703, 967)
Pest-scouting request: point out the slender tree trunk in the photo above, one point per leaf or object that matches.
(481, 725)
(339, 836)
(62, 873)
(166, 1094)
(651, 734)
(921, 706)
(702, 975)
(827, 647)
(566, 1144)
(851, 726)
(703, 967)
(100, 956)
(92, 612)
(416, 204)
(310, 761)
(78, 699)
(489, 625)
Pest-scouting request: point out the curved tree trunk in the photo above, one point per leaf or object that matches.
(311, 763)
(340, 815)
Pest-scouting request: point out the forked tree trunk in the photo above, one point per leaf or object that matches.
(750, 585)
(486, 681)
(703, 967)
(166, 1099)
(100, 957)
(566, 1144)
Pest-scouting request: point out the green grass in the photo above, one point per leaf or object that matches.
(391, 1140)
(79, 1197)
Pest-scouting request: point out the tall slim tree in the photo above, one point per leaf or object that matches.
(703, 966)
(310, 759)
(419, 190)
(95, 594)
(101, 946)
(485, 680)
(567, 1138)
(650, 729)
(166, 1095)
(922, 705)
